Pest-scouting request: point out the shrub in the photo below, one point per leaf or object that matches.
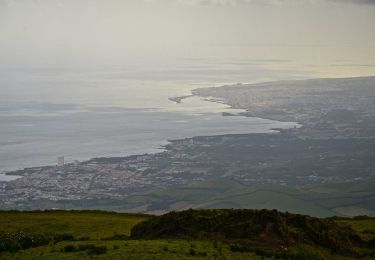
(192, 251)
(239, 247)
(202, 254)
(90, 248)
(84, 238)
(97, 250)
(63, 237)
(69, 248)
(13, 242)
(85, 247)
(117, 237)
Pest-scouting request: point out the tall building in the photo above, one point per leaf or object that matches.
(60, 161)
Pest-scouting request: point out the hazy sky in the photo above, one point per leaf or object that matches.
(81, 33)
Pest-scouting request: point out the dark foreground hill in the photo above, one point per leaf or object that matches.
(268, 228)
(198, 234)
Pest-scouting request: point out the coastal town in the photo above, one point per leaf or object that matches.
(333, 145)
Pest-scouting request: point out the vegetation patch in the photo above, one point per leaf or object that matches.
(199, 234)
(91, 249)
(13, 242)
(272, 229)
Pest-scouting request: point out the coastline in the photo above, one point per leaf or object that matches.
(281, 162)
(303, 126)
(160, 147)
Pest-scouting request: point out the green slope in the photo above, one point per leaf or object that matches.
(323, 200)
(93, 231)
(343, 199)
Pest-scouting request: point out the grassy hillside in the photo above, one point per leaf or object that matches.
(92, 224)
(267, 232)
(212, 234)
(324, 200)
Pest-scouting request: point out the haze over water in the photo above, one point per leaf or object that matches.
(83, 79)
(83, 114)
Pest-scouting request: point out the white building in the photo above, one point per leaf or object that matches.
(60, 161)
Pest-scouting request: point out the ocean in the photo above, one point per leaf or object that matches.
(81, 114)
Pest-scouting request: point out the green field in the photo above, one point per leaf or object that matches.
(321, 200)
(88, 233)
(100, 229)
(136, 249)
(92, 224)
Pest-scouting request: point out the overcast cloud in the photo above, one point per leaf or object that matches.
(37, 33)
(263, 2)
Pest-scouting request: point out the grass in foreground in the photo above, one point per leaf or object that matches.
(88, 224)
(105, 235)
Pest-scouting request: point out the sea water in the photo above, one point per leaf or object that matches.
(81, 114)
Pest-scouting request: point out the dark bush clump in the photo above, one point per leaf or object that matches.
(69, 248)
(85, 247)
(84, 238)
(98, 250)
(89, 248)
(63, 237)
(240, 247)
(13, 242)
(269, 226)
(117, 237)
